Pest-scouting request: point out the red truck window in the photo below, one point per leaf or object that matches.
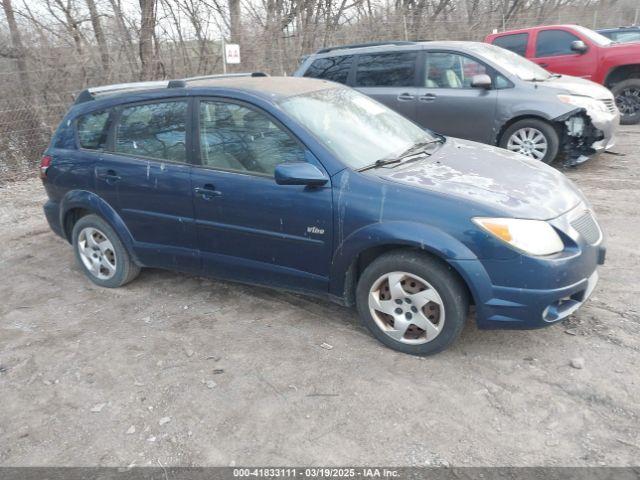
(551, 43)
(516, 42)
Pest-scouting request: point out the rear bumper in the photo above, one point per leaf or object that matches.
(52, 213)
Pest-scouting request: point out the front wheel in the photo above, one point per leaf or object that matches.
(412, 302)
(627, 95)
(532, 137)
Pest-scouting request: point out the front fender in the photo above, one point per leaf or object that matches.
(409, 234)
(92, 202)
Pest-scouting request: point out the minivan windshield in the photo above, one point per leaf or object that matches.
(510, 62)
(357, 129)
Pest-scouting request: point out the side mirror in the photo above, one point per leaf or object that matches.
(299, 173)
(579, 46)
(481, 81)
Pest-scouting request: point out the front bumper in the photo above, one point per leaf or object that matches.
(532, 292)
(608, 124)
(588, 133)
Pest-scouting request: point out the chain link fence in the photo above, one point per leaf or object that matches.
(31, 108)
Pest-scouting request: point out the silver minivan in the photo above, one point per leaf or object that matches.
(479, 92)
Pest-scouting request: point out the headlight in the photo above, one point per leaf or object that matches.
(534, 237)
(587, 103)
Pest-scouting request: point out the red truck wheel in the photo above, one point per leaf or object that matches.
(627, 95)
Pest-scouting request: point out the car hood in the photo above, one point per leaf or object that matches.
(577, 86)
(505, 182)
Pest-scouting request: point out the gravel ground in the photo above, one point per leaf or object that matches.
(178, 370)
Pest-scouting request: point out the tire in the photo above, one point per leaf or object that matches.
(444, 303)
(627, 95)
(536, 127)
(101, 254)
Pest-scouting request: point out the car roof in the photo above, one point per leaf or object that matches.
(381, 47)
(269, 88)
(531, 29)
(619, 29)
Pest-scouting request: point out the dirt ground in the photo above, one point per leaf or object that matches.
(178, 370)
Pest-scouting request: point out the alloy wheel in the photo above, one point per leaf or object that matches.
(628, 101)
(406, 308)
(529, 141)
(97, 253)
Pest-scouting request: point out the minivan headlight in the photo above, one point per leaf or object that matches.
(587, 103)
(535, 237)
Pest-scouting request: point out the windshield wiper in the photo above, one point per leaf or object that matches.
(418, 148)
(414, 150)
(380, 163)
(538, 79)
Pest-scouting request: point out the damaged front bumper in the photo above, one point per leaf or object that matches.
(588, 132)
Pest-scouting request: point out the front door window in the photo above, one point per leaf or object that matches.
(237, 138)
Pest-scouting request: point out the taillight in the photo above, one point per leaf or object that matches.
(45, 163)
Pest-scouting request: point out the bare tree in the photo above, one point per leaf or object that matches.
(145, 40)
(17, 50)
(235, 21)
(99, 34)
(124, 34)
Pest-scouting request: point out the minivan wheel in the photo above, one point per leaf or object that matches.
(532, 137)
(412, 302)
(100, 253)
(627, 95)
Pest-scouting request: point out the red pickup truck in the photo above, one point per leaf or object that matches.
(581, 52)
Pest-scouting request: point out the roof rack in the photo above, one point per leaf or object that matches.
(93, 92)
(362, 45)
(225, 75)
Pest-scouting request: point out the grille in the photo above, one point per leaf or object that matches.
(610, 104)
(587, 227)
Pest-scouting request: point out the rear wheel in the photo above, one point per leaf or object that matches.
(532, 137)
(101, 254)
(627, 95)
(412, 302)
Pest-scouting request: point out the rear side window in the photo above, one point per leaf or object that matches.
(156, 130)
(551, 43)
(517, 42)
(335, 69)
(386, 70)
(92, 130)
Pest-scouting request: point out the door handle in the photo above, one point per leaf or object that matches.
(429, 97)
(405, 97)
(543, 65)
(109, 176)
(207, 192)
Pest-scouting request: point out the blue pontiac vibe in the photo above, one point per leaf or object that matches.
(308, 185)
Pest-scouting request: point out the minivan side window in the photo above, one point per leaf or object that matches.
(551, 43)
(386, 70)
(238, 138)
(516, 42)
(92, 130)
(155, 130)
(450, 70)
(335, 69)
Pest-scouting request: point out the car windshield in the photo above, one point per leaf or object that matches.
(594, 36)
(511, 62)
(357, 129)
